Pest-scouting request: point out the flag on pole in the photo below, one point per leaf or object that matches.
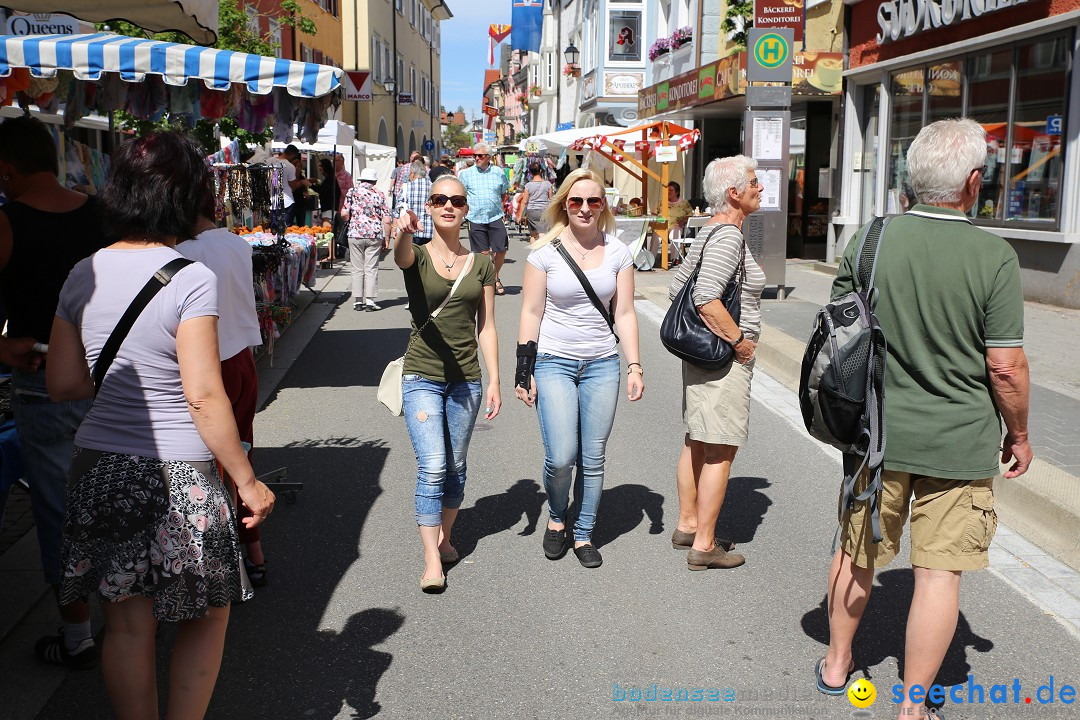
(527, 19)
(496, 34)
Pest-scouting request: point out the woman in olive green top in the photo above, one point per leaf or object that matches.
(441, 386)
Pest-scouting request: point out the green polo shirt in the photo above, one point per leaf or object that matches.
(948, 291)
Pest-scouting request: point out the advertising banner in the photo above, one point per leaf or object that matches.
(358, 85)
(717, 80)
(780, 14)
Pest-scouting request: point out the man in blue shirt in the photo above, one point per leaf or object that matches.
(485, 186)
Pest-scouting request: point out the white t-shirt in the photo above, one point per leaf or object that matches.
(288, 176)
(229, 256)
(572, 327)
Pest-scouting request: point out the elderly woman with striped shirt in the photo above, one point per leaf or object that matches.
(716, 403)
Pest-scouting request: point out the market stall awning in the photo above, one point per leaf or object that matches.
(134, 58)
(565, 138)
(198, 19)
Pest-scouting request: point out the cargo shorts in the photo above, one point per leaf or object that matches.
(952, 522)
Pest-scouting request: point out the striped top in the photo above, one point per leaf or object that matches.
(719, 266)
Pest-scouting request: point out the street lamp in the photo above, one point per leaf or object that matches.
(571, 54)
(389, 85)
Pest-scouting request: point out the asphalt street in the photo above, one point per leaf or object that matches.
(343, 630)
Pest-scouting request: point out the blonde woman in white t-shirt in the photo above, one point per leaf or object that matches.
(567, 361)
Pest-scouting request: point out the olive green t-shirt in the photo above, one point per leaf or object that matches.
(948, 291)
(446, 351)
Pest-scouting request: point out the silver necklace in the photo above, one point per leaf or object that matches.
(449, 266)
(583, 254)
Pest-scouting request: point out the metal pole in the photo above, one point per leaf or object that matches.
(397, 80)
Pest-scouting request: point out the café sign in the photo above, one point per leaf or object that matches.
(717, 80)
(905, 18)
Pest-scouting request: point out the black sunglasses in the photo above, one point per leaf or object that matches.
(575, 203)
(458, 201)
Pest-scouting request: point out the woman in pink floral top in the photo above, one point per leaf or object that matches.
(368, 216)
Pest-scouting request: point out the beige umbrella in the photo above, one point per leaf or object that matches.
(197, 19)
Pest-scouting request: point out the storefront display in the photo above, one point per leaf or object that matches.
(1010, 71)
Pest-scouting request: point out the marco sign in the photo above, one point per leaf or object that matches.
(904, 18)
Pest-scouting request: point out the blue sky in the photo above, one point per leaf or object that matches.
(465, 51)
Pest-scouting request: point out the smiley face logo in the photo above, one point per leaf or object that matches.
(862, 693)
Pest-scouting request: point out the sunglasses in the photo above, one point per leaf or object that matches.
(481, 155)
(458, 201)
(575, 203)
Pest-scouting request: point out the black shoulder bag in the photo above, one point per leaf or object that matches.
(152, 287)
(605, 312)
(686, 335)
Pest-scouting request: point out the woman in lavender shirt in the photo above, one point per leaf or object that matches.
(149, 526)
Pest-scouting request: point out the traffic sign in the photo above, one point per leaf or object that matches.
(770, 54)
(357, 85)
(429, 145)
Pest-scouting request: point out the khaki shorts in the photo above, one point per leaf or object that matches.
(716, 403)
(952, 522)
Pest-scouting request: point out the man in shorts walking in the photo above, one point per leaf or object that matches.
(952, 309)
(485, 186)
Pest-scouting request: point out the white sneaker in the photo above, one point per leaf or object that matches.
(371, 305)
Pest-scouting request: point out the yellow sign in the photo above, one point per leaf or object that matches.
(862, 693)
(771, 50)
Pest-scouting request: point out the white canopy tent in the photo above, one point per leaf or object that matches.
(338, 137)
(561, 139)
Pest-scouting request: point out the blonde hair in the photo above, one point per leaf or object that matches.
(556, 215)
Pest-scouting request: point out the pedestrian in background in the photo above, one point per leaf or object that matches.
(536, 196)
(952, 309)
(368, 217)
(45, 229)
(716, 403)
(329, 191)
(568, 363)
(441, 384)
(149, 526)
(401, 175)
(445, 167)
(485, 185)
(229, 257)
(414, 195)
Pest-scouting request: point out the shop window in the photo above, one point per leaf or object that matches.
(907, 109)
(989, 79)
(1036, 159)
(624, 36)
(945, 88)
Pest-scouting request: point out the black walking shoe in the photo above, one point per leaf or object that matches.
(52, 650)
(588, 556)
(554, 543)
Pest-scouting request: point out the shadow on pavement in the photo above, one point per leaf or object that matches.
(347, 358)
(744, 508)
(284, 656)
(881, 632)
(494, 514)
(622, 508)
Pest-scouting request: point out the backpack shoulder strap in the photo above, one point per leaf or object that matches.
(869, 247)
(152, 287)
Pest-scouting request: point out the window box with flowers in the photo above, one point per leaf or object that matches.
(571, 70)
(681, 37)
(659, 48)
(535, 90)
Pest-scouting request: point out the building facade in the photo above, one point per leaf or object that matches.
(1011, 66)
(399, 43)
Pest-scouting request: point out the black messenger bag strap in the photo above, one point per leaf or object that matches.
(152, 287)
(586, 286)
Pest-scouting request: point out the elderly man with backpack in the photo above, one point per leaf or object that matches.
(948, 299)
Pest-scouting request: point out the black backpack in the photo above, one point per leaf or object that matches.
(842, 383)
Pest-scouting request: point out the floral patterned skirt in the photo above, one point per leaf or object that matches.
(139, 526)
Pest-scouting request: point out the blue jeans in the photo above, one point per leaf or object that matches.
(575, 400)
(440, 417)
(47, 441)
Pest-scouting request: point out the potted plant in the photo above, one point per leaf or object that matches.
(682, 36)
(572, 70)
(534, 90)
(660, 47)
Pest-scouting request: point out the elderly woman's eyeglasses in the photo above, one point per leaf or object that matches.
(458, 201)
(574, 203)
(753, 182)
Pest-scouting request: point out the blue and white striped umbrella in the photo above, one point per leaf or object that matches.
(134, 58)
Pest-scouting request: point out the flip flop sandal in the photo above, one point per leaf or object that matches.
(829, 689)
(499, 289)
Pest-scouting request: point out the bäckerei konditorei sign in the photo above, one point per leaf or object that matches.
(904, 18)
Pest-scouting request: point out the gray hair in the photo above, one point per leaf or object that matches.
(724, 173)
(417, 170)
(481, 148)
(941, 158)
